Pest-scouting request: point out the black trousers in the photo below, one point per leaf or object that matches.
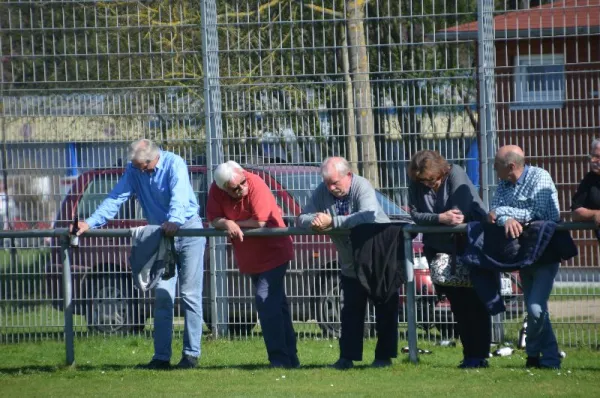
(353, 323)
(473, 322)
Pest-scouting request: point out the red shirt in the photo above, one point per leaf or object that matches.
(254, 254)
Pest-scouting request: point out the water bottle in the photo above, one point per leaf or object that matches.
(448, 343)
(522, 336)
(503, 352)
(74, 239)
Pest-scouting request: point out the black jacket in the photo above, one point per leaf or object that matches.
(378, 251)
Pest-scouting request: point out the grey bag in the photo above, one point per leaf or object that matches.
(446, 271)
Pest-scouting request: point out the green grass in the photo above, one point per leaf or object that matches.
(105, 367)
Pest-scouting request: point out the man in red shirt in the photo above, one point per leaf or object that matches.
(238, 199)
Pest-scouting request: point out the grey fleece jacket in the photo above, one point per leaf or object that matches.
(364, 208)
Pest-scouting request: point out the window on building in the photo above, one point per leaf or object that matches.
(540, 81)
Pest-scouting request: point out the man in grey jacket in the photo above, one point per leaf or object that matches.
(342, 201)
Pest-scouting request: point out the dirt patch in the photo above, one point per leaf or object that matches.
(587, 310)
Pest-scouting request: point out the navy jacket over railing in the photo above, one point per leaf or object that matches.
(490, 252)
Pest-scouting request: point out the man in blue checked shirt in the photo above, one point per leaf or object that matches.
(161, 183)
(527, 193)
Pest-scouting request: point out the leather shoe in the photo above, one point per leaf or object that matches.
(342, 364)
(473, 363)
(532, 362)
(381, 363)
(187, 362)
(155, 364)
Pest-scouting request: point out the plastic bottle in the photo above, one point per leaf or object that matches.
(448, 343)
(504, 352)
(74, 239)
(522, 336)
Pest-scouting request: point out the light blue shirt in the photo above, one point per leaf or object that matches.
(533, 197)
(165, 194)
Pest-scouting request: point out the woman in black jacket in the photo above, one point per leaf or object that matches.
(442, 194)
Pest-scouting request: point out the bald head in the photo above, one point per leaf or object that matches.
(511, 154)
(509, 162)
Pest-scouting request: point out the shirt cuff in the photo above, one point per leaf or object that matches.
(93, 222)
(502, 220)
(177, 220)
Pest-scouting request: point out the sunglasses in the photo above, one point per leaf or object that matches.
(240, 186)
(429, 180)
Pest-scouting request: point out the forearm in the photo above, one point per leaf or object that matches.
(583, 214)
(305, 220)
(250, 223)
(220, 223)
(503, 213)
(425, 218)
(348, 222)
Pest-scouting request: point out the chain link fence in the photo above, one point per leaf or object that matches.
(278, 86)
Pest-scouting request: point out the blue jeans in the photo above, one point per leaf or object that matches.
(275, 318)
(537, 281)
(190, 270)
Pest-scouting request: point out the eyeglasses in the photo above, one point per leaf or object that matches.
(240, 186)
(594, 158)
(143, 166)
(429, 180)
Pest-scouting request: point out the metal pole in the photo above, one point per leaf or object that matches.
(487, 111)
(410, 299)
(67, 300)
(214, 153)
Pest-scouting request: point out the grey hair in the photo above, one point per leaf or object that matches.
(225, 173)
(341, 165)
(513, 157)
(595, 143)
(143, 151)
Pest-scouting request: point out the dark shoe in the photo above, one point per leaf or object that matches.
(381, 363)
(155, 364)
(187, 362)
(552, 367)
(473, 363)
(295, 363)
(532, 362)
(342, 364)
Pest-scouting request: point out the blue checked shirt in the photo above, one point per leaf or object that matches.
(533, 197)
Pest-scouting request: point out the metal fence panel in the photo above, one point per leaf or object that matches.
(278, 86)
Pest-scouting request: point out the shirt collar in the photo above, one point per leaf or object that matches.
(521, 179)
(160, 160)
(348, 194)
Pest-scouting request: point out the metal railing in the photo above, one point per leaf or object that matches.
(409, 230)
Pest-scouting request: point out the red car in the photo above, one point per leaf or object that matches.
(103, 290)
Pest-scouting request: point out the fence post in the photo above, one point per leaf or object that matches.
(67, 299)
(410, 298)
(487, 113)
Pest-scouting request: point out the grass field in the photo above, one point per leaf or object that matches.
(105, 367)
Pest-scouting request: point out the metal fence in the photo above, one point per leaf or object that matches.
(279, 85)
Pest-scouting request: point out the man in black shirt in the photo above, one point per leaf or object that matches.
(586, 202)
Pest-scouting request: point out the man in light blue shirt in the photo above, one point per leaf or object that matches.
(524, 194)
(161, 183)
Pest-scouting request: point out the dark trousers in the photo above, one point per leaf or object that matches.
(275, 318)
(473, 321)
(353, 323)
